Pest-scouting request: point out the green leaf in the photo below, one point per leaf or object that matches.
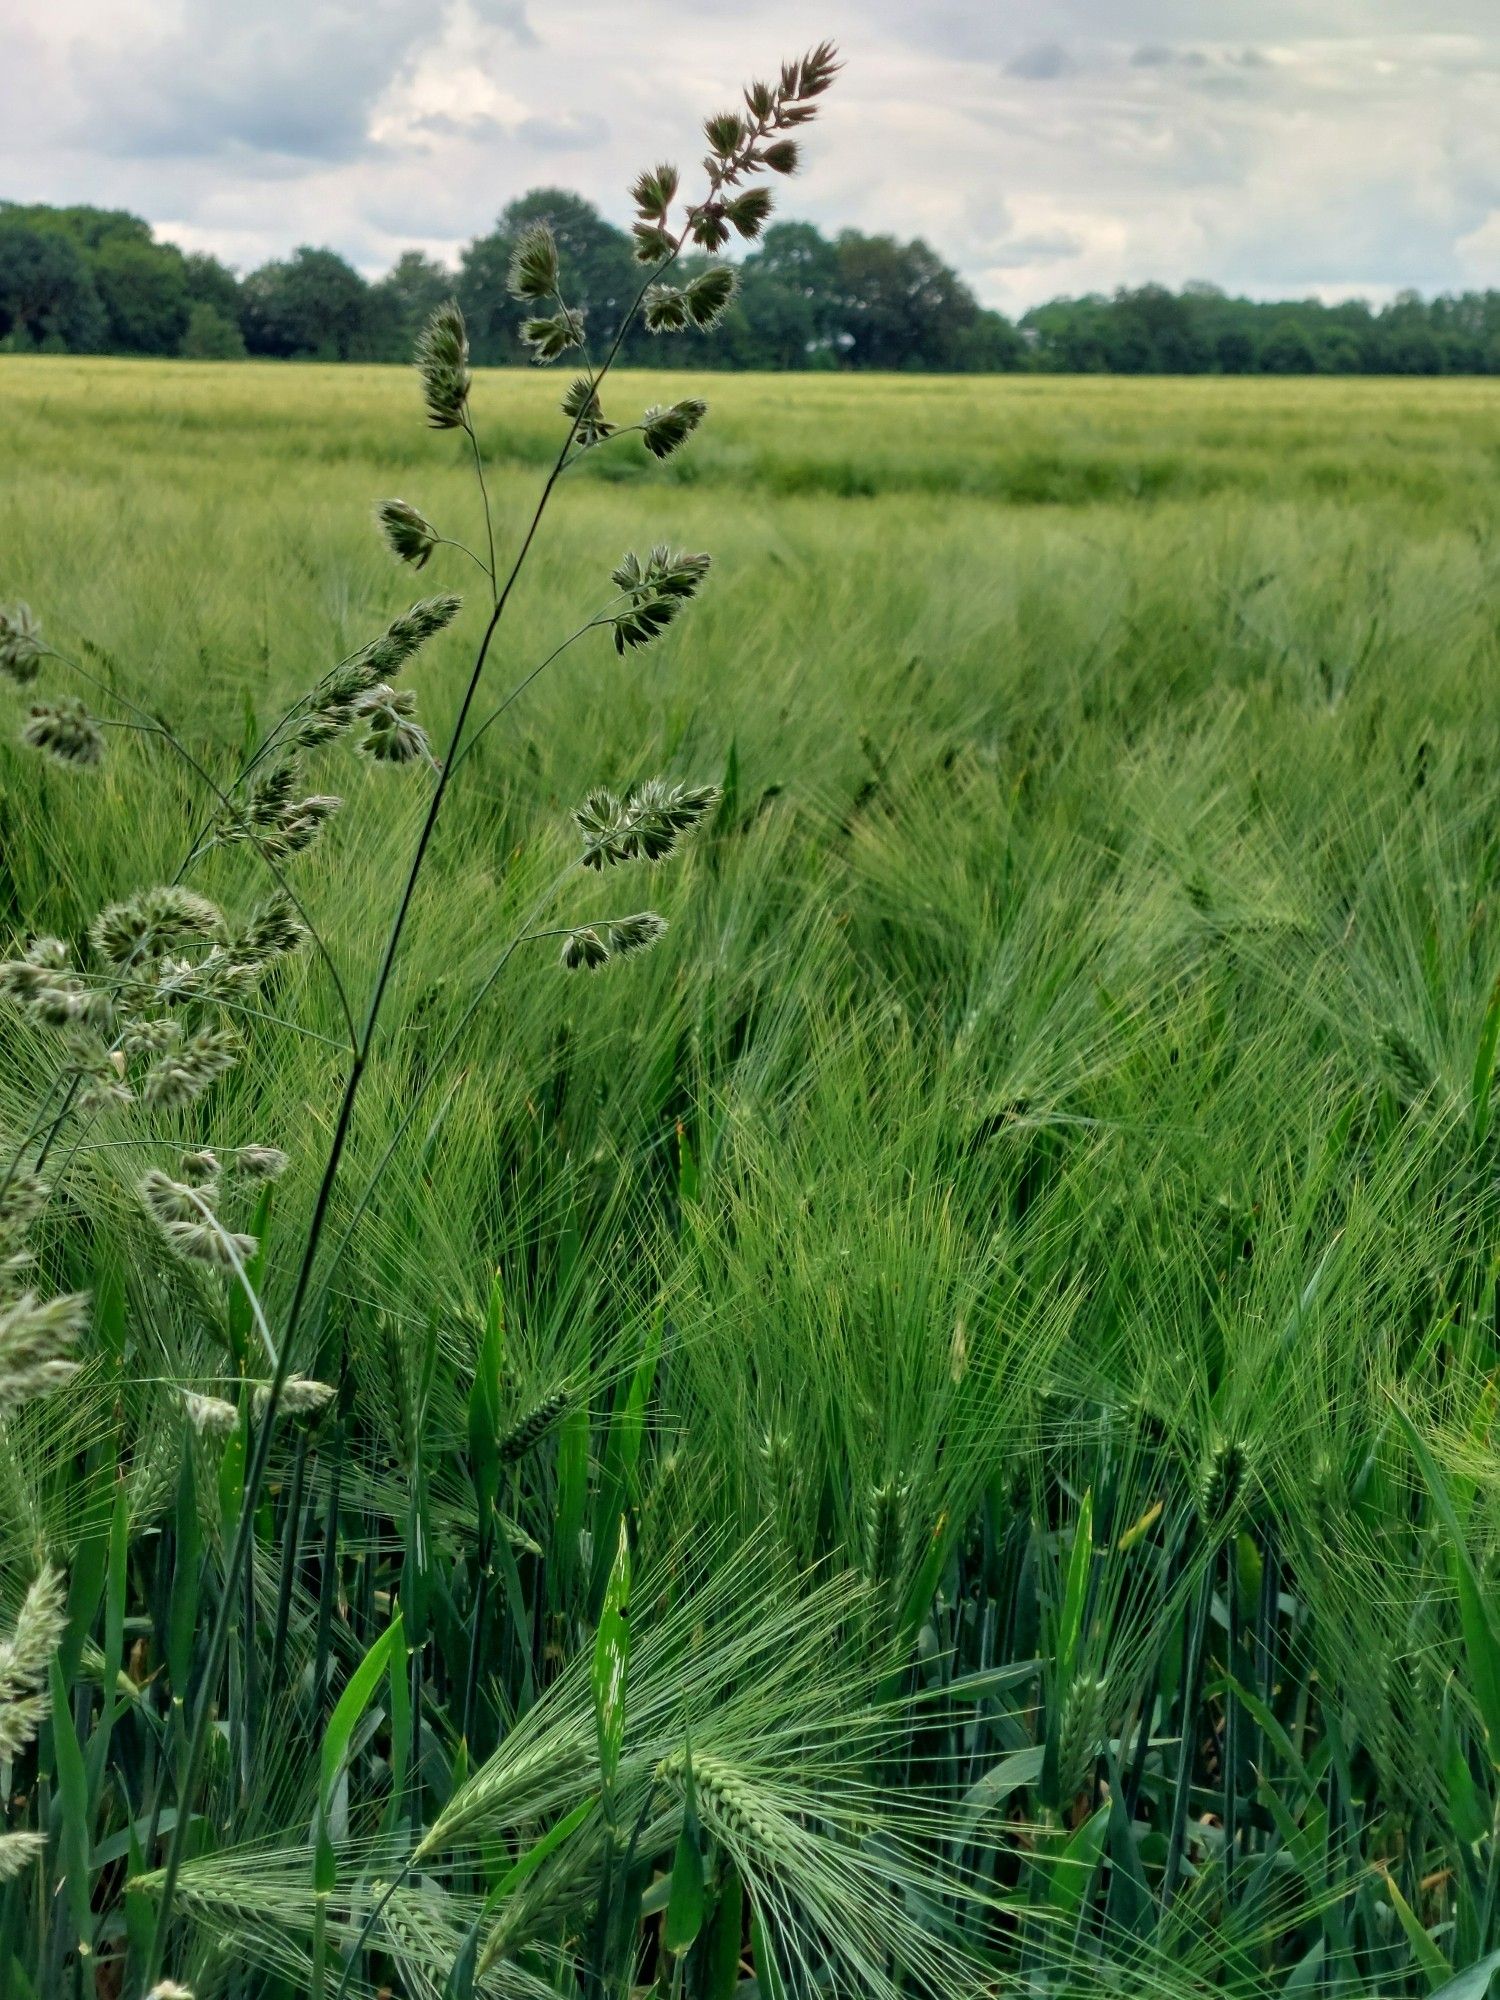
(1473, 1984)
(684, 1918)
(1423, 1950)
(611, 1661)
(73, 1806)
(351, 1705)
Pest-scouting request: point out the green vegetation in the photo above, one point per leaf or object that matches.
(1018, 1257)
(86, 280)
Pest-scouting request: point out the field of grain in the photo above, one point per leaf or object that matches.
(1019, 1257)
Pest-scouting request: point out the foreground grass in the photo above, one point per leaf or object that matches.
(1053, 1148)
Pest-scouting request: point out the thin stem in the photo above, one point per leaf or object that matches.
(484, 494)
(260, 1462)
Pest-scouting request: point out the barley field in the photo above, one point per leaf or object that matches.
(988, 1333)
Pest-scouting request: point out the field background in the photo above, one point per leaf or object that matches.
(1065, 1073)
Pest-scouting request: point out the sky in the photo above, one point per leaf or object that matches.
(1275, 147)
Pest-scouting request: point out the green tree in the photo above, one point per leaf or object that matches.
(144, 291)
(47, 292)
(1288, 351)
(210, 336)
(312, 305)
(599, 270)
(900, 305)
(401, 302)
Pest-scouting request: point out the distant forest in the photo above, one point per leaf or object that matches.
(90, 280)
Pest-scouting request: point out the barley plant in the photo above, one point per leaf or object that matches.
(929, 1429)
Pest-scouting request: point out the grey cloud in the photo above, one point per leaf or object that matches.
(572, 132)
(1042, 247)
(1043, 62)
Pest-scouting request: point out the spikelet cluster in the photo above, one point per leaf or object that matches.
(300, 1397)
(37, 1341)
(65, 731)
(594, 945)
(534, 1426)
(655, 590)
(1226, 1485)
(443, 367)
(21, 647)
(723, 1795)
(1080, 1732)
(185, 1210)
(645, 826)
(24, 1660)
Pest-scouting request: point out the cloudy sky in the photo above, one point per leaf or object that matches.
(1272, 146)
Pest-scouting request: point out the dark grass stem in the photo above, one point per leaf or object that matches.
(260, 1461)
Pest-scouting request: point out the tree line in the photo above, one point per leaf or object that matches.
(89, 280)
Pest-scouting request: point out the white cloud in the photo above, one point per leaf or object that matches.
(1302, 145)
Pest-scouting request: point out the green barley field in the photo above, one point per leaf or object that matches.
(988, 1334)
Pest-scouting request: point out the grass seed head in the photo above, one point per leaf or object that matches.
(21, 647)
(443, 367)
(37, 1339)
(65, 732)
(534, 272)
(409, 535)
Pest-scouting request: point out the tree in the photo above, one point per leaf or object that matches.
(1288, 351)
(313, 305)
(47, 292)
(600, 274)
(211, 283)
(900, 305)
(402, 300)
(1234, 351)
(144, 291)
(211, 337)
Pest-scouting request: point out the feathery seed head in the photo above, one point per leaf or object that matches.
(300, 1397)
(633, 934)
(549, 337)
(169, 1200)
(65, 732)
(258, 1163)
(21, 645)
(18, 1850)
(708, 295)
(534, 270)
(154, 922)
(655, 590)
(725, 133)
(646, 827)
(584, 951)
(581, 403)
(210, 1416)
(199, 1170)
(274, 930)
(750, 211)
(443, 366)
(663, 431)
(37, 1338)
(181, 1075)
(664, 308)
(653, 192)
(782, 156)
(409, 535)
